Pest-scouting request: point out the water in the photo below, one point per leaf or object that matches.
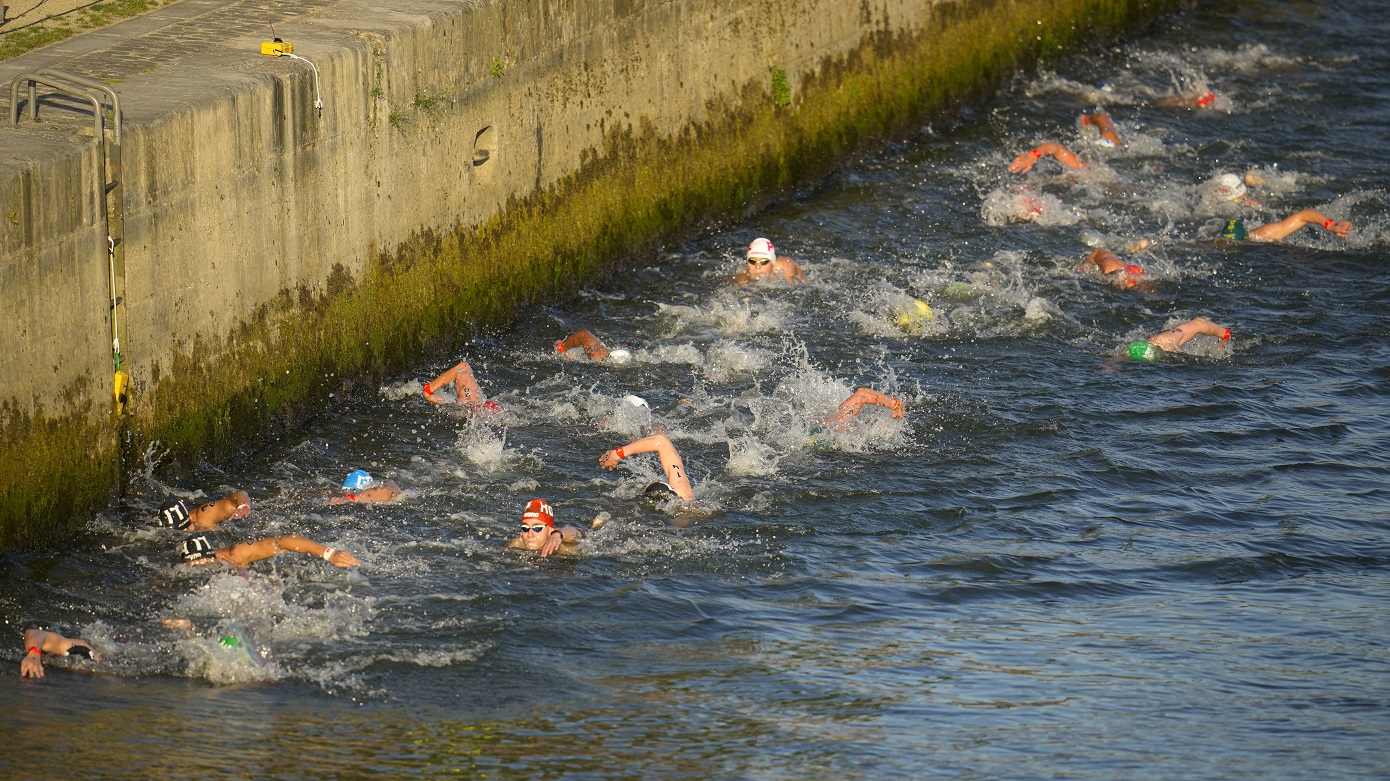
(1059, 564)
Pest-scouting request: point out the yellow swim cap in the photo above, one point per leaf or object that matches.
(914, 317)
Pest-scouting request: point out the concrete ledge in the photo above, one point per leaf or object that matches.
(470, 157)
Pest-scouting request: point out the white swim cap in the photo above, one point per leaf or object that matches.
(1230, 187)
(619, 356)
(762, 248)
(636, 401)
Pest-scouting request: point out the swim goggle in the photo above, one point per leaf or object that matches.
(758, 261)
(537, 529)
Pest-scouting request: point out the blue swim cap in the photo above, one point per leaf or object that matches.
(1235, 229)
(357, 480)
(1143, 351)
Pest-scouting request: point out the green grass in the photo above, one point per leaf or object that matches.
(63, 26)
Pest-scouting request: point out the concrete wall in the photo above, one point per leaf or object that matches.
(272, 252)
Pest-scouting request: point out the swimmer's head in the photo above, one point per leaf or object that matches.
(1144, 351)
(1230, 187)
(173, 515)
(358, 480)
(538, 511)
(197, 549)
(660, 492)
(761, 255)
(1132, 274)
(914, 317)
(1234, 230)
(619, 357)
(636, 401)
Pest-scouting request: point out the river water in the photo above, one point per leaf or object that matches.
(1059, 564)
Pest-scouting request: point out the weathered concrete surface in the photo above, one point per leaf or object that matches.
(470, 156)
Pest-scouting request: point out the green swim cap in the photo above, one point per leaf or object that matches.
(1143, 351)
(1235, 229)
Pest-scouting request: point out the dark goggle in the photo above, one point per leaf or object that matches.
(536, 529)
(758, 261)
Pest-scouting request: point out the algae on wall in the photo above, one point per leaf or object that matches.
(644, 187)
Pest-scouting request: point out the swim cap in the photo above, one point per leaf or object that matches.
(198, 548)
(1235, 229)
(1143, 351)
(619, 356)
(659, 490)
(538, 510)
(915, 316)
(762, 248)
(1132, 273)
(636, 401)
(1230, 187)
(357, 480)
(173, 515)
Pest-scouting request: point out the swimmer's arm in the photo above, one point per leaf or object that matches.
(461, 375)
(1287, 226)
(246, 553)
(670, 461)
(1024, 162)
(1101, 121)
(791, 270)
(851, 406)
(378, 494)
(741, 278)
(1181, 334)
(566, 535)
(1103, 259)
(593, 348)
(31, 666)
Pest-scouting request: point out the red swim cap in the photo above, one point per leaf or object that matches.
(539, 510)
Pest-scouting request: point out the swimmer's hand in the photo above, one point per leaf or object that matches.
(1338, 229)
(897, 409)
(1024, 162)
(341, 558)
(429, 394)
(609, 460)
(552, 543)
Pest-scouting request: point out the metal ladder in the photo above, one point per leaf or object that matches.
(108, 184)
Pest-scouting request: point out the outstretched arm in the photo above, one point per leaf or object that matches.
(38, 642)
(591, 344)
(378, 494)
(1024, 162)
(1103, 259)
(850, 407)
(245, 554)
(1181, 334)
(670, 461)
(465, 386)
(1278, 230)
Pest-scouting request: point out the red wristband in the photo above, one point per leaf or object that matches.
(1328, 225)
(428, 392)
(351, 497)
(559, 347)
(1037, 154)
(1227, 334)
(34, 650)
(617, 451)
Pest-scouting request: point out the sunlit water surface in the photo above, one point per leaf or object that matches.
(1059, 564)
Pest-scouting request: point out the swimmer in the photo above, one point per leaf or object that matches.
(1126, 275)
(176, 515)
(465, 387)
(1169, 341)
(849, 408)
(198, 551)
(1103, 127)
(1025, 162)
(1202, 100)
(763, 263)
(362, 488)
(593, 348)
(1277, 231)
(676, 481)
(1230, 187)
(38, 642)
(538, 532)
